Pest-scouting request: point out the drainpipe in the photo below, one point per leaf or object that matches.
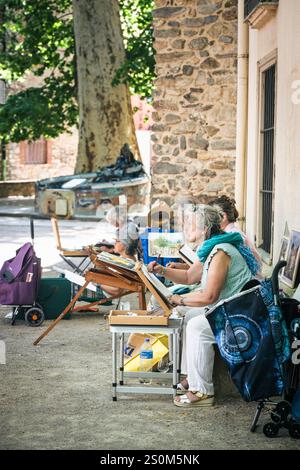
(242, 114)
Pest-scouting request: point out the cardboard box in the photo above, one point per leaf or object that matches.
(136, 317)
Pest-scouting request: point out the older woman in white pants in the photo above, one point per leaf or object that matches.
(223, 270)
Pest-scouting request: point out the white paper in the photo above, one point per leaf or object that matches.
(156, 282)
(188, 253)
(80, 280)
(73, 183)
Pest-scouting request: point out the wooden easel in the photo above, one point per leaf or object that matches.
(104, 274)
(65, 254)
(143, 317)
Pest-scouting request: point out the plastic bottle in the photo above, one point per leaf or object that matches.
(146, 356)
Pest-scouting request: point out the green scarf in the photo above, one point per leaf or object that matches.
(234, 238)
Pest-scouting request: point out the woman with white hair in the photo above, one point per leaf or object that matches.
(125, 229)
(225, 265)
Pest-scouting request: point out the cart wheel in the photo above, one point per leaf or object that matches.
(294, 430)
(270, 429)
(34, 316)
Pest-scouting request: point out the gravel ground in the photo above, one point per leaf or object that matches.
(58, 396)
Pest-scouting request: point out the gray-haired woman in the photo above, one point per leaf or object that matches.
(225, 265)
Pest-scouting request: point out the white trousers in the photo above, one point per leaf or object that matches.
(198, 351)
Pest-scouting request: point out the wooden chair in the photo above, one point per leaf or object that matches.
(65, 253)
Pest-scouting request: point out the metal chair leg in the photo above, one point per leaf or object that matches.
(259, 409)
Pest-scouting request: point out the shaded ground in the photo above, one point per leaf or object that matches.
(58, 396)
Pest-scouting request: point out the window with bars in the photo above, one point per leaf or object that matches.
(35, 152)
(267, 157)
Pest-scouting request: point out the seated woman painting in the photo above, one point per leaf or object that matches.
(225, 265)
(124, 228)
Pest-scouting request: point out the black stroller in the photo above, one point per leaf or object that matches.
(253, 340)
(19, 282)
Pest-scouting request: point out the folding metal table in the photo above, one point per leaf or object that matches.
(173, 330)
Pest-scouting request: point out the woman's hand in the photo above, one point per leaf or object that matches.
(154, 267)
(176, 299)
(181, 266)
(172, 265)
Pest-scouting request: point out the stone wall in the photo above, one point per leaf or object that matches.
(193, 140)
(61, 160)
(16, 188)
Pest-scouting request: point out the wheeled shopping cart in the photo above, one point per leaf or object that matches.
(19, 283)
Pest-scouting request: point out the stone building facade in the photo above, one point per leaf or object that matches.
(194, 130)
(60, 159)
(27, 164)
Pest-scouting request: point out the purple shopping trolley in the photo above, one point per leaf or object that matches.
(19, 282)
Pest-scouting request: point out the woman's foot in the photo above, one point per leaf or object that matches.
(182, 387)
(193, 399)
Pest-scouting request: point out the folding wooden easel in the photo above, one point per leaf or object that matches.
(114, 276)
(65, 253)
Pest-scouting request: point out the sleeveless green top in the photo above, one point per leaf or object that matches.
(238, 273)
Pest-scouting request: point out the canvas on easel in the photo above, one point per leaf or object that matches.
(117, 266)
(146, 317)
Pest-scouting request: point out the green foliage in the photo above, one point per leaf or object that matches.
(37, 38)
(138, 68)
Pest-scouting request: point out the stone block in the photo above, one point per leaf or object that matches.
(208, 173)
(172, 118)
(192, 171)
(230, 15)
(197, 142)
(187, 70)
(210, 19)
(167, 12)
(182, 142)
(164, 168)
(224, 145)
(210, 63)
(214, 187)
(198, 43)
(167, 33)
(191, 154)
(178, 43)
(193, 22)
(226, 39)
(206, 7)
(158, 127)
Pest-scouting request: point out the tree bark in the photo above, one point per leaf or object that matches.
(105, 115)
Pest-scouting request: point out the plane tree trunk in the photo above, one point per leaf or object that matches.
(105, 115)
